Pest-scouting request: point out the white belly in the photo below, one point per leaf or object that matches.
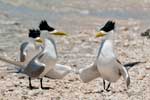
(106, 63)
(109, 73)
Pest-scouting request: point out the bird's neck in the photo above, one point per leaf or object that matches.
(30, 39)
(109, 37)
(45, 34)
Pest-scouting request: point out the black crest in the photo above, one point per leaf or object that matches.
(110, 25)
(44, 26)
(34, 33)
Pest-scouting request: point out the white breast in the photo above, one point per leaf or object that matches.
(49, 57)
(106, 62)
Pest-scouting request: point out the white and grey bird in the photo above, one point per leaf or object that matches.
(30, 51)
(48, 56)
(39, 56)
(106, 65)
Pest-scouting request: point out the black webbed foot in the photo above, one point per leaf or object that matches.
(44, 88)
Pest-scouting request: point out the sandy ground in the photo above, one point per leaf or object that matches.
(78, 50)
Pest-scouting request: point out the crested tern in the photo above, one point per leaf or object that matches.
(106, 65)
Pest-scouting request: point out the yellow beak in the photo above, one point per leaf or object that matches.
(38, 40)
(100, 34)
(59, 33)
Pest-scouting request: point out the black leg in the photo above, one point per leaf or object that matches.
(107, 89)
(42, 84)
(104, 84)
(30, 85)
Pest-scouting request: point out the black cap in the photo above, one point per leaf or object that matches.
(110, 25)
(44, 26)
(34, 33)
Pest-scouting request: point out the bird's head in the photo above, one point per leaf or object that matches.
(45, 27)
(108, 27)
(35, 33)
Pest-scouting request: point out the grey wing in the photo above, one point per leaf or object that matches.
(88, 74)
(23, 51)
(35, 67)
(59, 71)
(28, 51)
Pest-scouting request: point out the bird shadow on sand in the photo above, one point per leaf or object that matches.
(33, 88)
(93, 92)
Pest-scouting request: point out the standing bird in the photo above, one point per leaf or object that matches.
(54, 71)
(106, 65)
(47, 57)
(30, 51)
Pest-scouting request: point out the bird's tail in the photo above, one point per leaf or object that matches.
(11, 62)
(131, 64)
